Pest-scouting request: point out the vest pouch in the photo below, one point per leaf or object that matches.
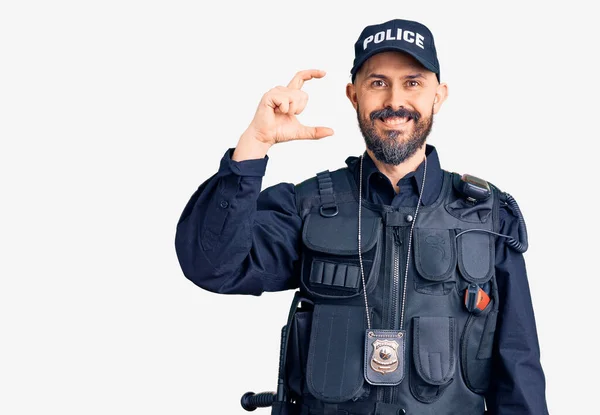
(299, 330)
(476, 265)
(330, 261)
(334, 372)
(435, 261)
(434, 357)
(476, 347)
(476, 257)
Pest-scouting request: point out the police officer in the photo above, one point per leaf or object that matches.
(412, 289)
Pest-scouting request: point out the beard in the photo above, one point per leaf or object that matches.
(396, 146)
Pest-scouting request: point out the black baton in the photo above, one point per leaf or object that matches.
(250, 401)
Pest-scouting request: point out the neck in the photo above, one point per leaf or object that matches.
(395, 173)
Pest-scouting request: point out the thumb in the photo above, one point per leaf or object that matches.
(315, 132)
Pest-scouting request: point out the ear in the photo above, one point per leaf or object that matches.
(351, 94)
(441, 94)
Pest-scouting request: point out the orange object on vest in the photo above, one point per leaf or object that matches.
(481, 302)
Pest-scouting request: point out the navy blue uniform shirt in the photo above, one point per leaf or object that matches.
(234, 239)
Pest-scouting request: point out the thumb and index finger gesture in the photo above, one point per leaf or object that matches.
(276, 120)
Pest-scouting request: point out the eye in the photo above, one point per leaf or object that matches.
(378, 83)
(412, 84)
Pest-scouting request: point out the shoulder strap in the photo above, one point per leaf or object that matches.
(326, 190)
(329, 206)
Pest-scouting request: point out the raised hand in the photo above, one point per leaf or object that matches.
(275, 118)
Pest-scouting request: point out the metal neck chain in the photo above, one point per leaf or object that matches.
(362, 273)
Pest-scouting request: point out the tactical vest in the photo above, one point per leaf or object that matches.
(448, 346)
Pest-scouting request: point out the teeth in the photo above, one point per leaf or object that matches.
(395, 120)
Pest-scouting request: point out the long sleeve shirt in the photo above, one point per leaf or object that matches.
(233, 238)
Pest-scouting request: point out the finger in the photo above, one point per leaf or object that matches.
(315, 133)
(298, 101)
(279, 103)
(293, 109)
(302, 76)
(301, 102)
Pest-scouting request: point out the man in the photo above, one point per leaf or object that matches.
(414, 300)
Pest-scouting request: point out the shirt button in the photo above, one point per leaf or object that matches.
(224, 204)
(409, 218)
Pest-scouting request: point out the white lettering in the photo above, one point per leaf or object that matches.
(419, 41)
(406, 35)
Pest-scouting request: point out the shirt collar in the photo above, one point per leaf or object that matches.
(433, 181)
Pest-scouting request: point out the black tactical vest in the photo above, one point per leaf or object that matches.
(448, 348)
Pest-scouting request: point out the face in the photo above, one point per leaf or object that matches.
(395, 99)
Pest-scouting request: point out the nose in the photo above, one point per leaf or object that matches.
(395, 98)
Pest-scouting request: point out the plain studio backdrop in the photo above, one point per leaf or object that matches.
(112, 113)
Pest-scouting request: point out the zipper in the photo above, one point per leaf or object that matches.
(390, 391)
(396, 295)
(396, 278)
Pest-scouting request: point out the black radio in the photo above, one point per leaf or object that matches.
(474, 188)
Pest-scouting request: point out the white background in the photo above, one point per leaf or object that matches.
(112, 113)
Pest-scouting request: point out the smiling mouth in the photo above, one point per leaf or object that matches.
(395, 121)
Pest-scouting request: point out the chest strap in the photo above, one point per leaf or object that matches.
(329, 207)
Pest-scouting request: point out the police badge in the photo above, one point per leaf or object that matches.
(384, 357)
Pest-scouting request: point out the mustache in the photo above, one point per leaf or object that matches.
(389, 112)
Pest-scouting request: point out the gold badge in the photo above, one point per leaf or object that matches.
(385, 356)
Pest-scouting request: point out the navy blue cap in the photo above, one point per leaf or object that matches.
(402, 35)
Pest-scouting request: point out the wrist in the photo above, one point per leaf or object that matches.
(250, 147)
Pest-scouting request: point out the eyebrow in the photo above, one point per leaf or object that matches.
(415, 76)
(380, 76)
